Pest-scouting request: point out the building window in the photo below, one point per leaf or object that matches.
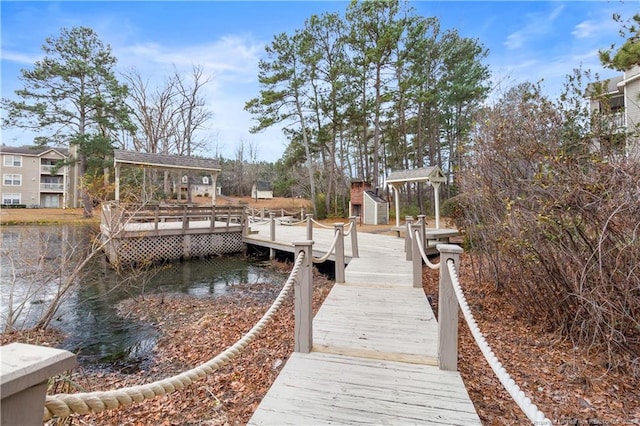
(13, 161)
(11, 198)
(12, 180)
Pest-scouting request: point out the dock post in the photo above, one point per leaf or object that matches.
(272, 234)
(422, 220)
(24, 378)
(448, 309)
(407, 237)
(309, 217)
(339, 229)
(354, 238)
(416, 255)
(303, 299)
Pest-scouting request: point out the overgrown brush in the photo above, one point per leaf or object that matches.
(555, 223)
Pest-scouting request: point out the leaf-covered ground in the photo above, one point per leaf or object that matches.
(570, 385)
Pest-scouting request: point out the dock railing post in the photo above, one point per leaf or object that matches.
(448, 309)
(272, 234)
(354, 238)
(24, 377)
(303, 329)
(309, 218)
(416, 260)
(422, 220)
(407, 237)
(339, 229)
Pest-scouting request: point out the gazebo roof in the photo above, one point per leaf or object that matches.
(165, 161)
(423, 174)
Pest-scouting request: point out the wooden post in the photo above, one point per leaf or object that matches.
(309, 217)
(448, 309)
(354, 238)
(339, 229)
(422, 219)
(407, 237)
(416, 256)
(272, 234)
(303, 329)
(23, 380)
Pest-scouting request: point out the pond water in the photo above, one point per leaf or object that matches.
(37, 264)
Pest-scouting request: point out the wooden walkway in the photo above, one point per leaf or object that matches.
(374, 356)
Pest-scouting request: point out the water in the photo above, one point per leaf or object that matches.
(38, 261)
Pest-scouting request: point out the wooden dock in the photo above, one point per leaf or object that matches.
(374, 356)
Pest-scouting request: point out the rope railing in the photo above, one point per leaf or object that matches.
(523, 401)
(423, 254)
(331, 249)
(63, 405)
(321, 225)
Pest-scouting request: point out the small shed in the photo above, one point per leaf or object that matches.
(366, 204)
(262, 190)
(432, 175)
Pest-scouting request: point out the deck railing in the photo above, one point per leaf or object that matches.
(114, 216)
(450, 299)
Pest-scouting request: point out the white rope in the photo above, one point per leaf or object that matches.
(258, 222)
(524, 402)
(288, 222)
(350, 226)
(63, 405)
(326, 256)
(423, 254)
(408, 226)
(320, 224)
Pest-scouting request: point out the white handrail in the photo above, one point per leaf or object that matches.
(528, 408)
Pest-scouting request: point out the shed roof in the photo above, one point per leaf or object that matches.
(165, 161)
(431, 174)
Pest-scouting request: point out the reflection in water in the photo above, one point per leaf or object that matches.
(37, 259)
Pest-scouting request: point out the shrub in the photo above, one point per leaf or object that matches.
(555, 225)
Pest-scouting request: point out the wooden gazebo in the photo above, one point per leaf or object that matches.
(165, 162)
(432, 175)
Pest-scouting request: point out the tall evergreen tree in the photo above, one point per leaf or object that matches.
(72, 97)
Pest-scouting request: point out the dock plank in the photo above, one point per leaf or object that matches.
(374, 355)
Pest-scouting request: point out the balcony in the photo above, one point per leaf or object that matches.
(51, 187)
(46, 169)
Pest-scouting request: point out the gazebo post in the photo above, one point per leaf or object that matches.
(436, 196)
(396, 196)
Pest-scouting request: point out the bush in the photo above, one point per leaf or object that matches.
(14, 206)
(556, 226)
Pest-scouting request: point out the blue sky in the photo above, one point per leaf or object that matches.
(527, 41)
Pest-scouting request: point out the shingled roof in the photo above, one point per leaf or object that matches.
(34, 150)
(162, 161)
(431, 174)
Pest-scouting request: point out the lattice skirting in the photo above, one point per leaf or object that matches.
(170, 247)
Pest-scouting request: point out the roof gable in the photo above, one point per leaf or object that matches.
(430, 174)
(33, 150)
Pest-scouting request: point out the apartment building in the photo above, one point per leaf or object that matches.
(620, 105)
(31, 177)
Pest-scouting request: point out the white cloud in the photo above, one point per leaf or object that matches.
(585, 29)
(538, 24)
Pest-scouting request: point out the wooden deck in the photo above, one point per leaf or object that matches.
(374, 356)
